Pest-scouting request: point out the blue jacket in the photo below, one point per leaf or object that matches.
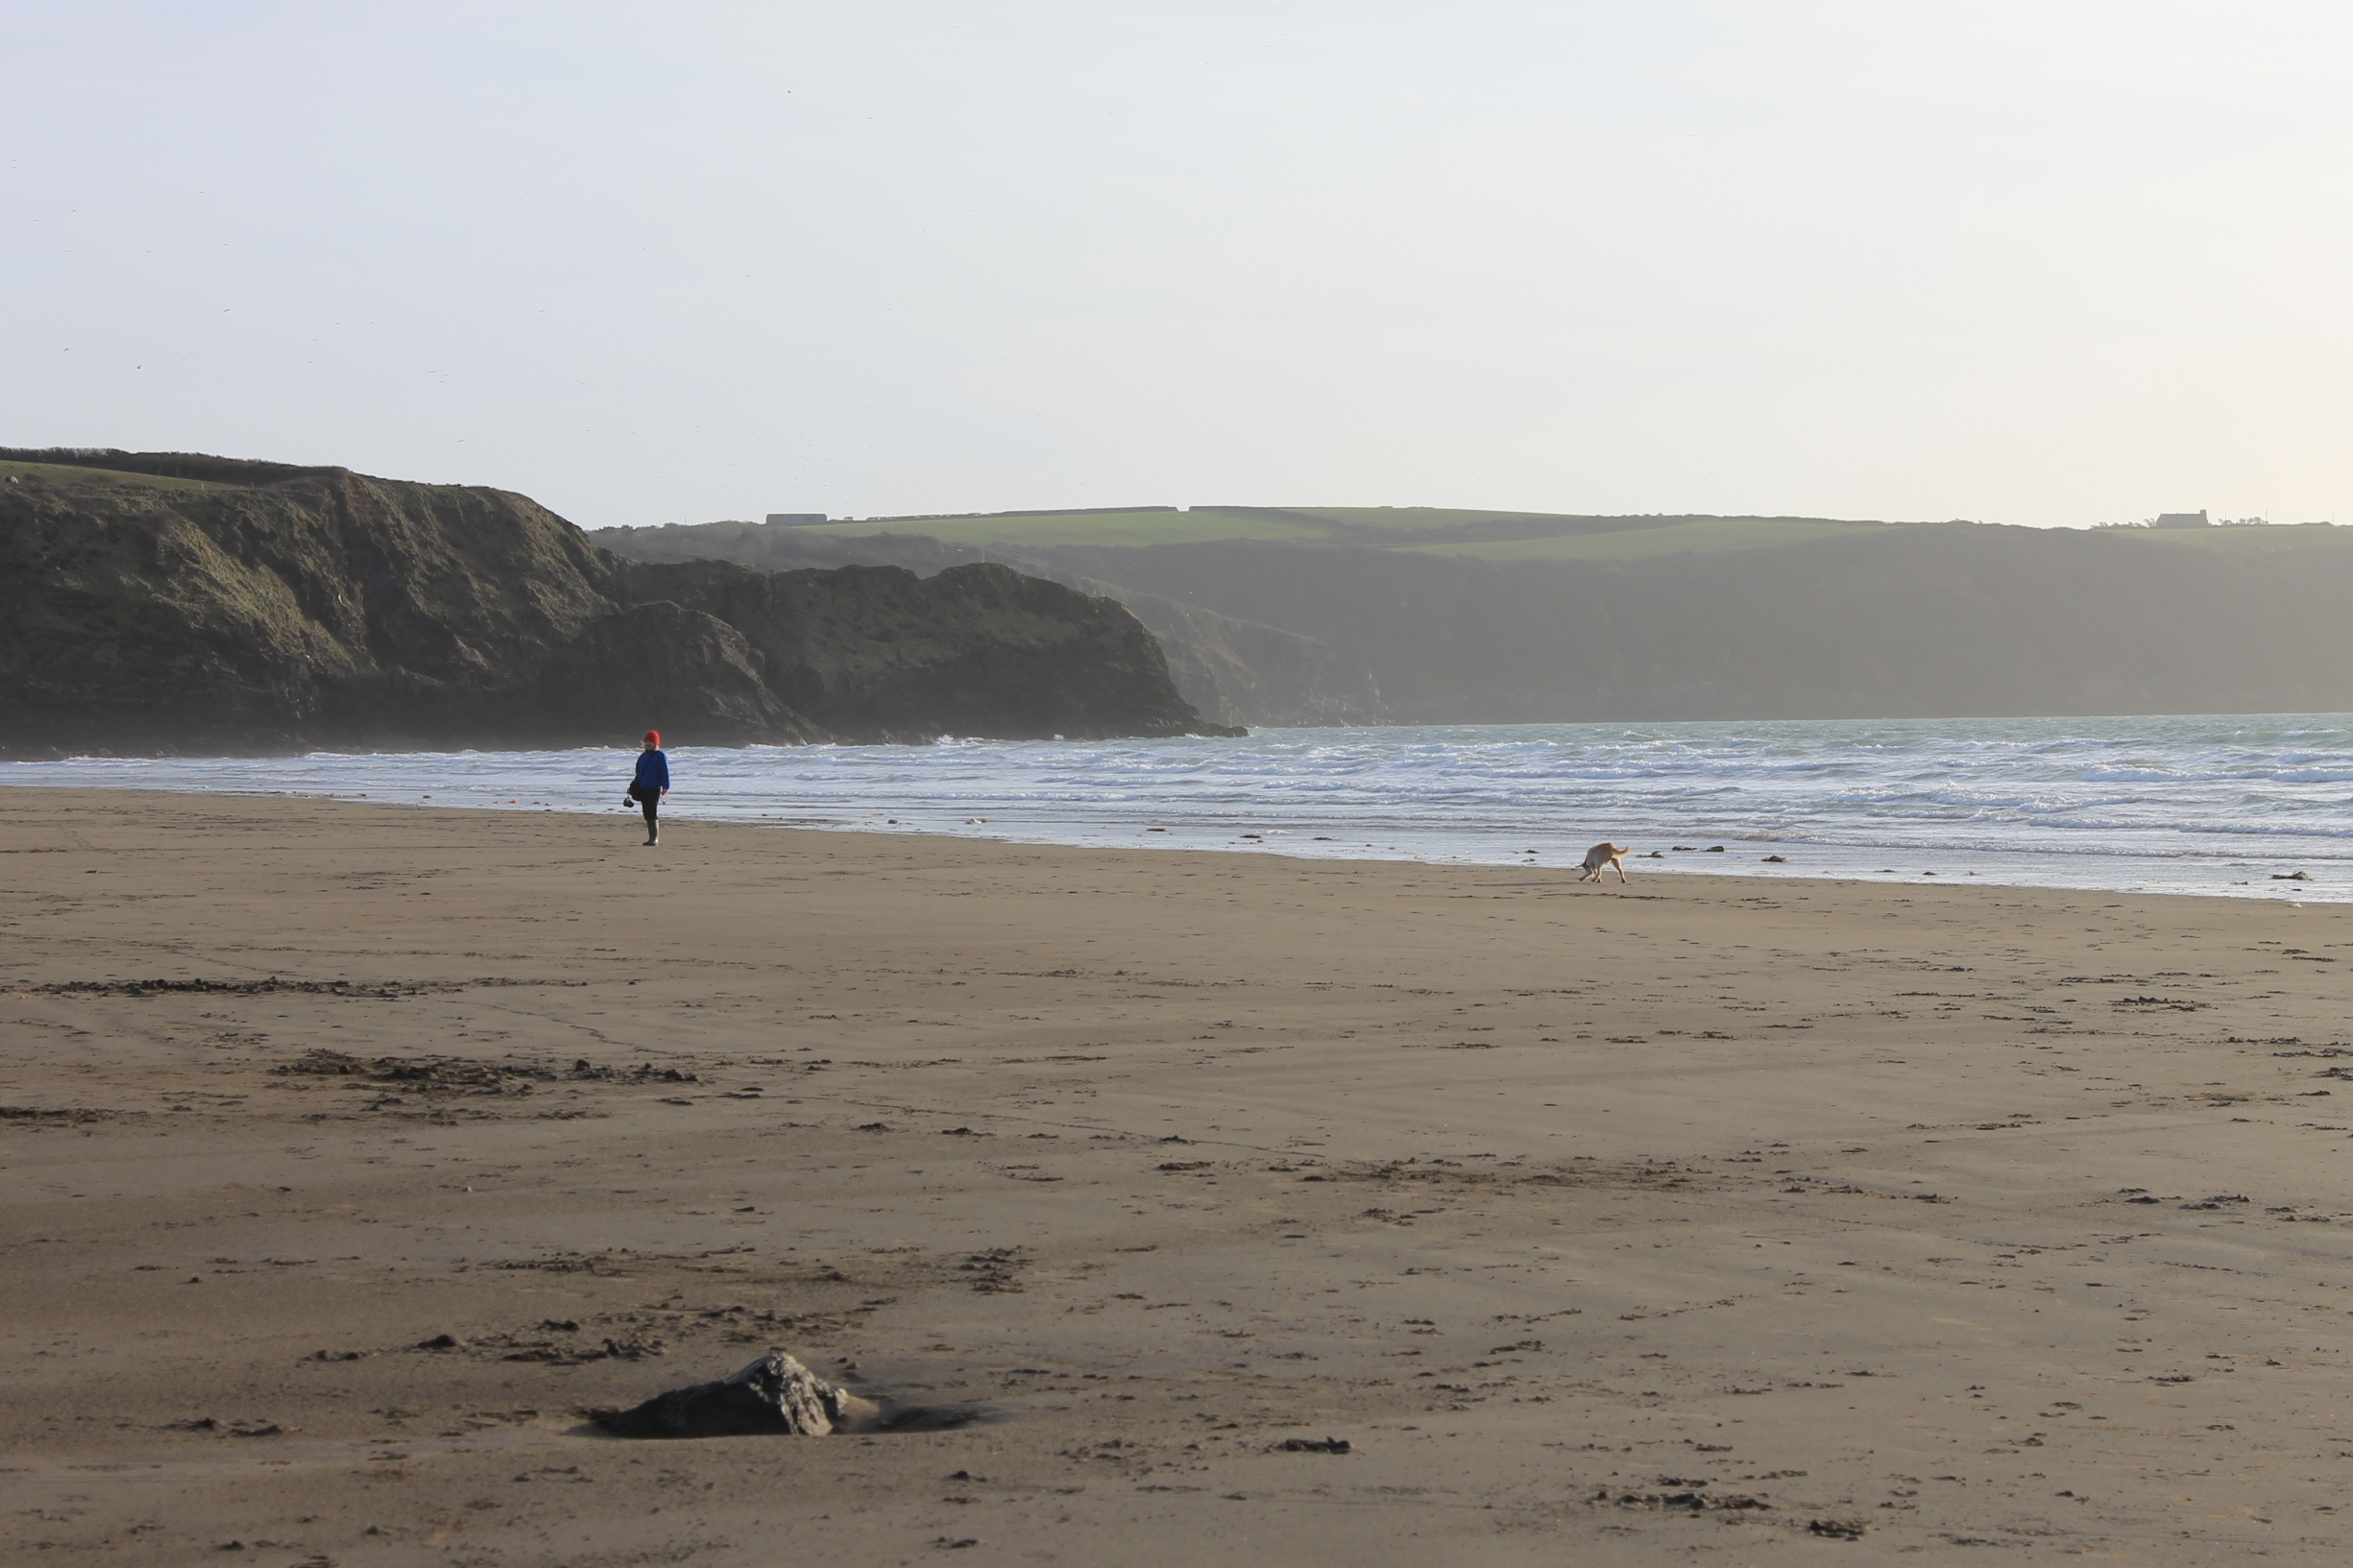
(653, 770)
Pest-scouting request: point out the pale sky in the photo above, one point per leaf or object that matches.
(2048, 263)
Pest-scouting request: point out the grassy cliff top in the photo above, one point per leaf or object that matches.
(67, 476)
(1694, 535)
(1039, 530)
(1439, 530)
(1489, 535)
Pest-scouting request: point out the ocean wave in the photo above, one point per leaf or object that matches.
(2166, 804)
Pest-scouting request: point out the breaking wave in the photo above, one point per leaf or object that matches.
(2204, 803)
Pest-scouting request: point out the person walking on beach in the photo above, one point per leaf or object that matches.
(651, 783)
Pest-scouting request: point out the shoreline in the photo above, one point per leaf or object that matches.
(2023, 870)
(1921, 1213)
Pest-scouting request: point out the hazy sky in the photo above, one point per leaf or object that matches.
(2041, 263)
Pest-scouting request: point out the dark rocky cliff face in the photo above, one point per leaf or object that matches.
(661, 658)
(155, 600)
(877, 653)
(1234, 672)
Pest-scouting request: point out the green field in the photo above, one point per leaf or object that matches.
(1475, 530)
(1040, 530)
(1354, 519)
(1698, 536)
(2279, 537)
(1483, 535)
(73, 473)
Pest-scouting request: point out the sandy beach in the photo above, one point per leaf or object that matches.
(350, 1154)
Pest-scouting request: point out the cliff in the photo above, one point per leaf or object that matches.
(877, 653)
(173, 601)
(1923, 620)
(1233, 670)
(1433, 616)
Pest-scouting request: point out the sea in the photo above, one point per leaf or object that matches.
(2242, 805)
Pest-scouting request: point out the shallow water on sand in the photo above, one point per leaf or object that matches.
(2227, 803)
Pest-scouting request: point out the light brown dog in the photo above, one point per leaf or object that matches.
(1601, 856)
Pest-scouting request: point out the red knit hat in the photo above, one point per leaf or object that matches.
(653, 737)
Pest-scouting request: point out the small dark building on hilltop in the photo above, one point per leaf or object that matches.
(2182, 519)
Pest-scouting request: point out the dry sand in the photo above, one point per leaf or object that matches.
(1705, 1217)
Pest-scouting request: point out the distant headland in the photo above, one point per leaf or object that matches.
(175, 601)
(1435, 616)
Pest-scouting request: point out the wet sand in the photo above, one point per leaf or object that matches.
(1749, 1222)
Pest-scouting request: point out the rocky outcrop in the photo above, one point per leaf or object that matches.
(876, 653)
(775, 1395)
(153, 601)
(1232, 672)
(694, 670)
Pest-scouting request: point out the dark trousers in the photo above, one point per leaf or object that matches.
(649, 801)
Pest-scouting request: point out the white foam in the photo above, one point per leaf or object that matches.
(2214, 804)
